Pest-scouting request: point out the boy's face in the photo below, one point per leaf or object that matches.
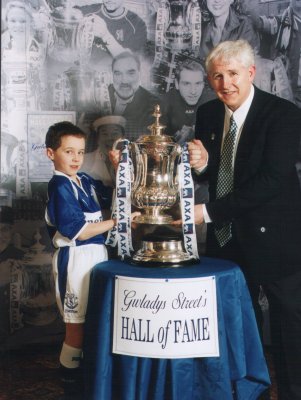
(69, 157)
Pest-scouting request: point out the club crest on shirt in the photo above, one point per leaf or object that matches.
(71, 301)
(119, 35)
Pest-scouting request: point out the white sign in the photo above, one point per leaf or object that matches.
(165, 318)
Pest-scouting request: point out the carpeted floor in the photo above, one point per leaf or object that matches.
(32, 374)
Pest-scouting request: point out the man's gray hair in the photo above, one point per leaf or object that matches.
(239, 50)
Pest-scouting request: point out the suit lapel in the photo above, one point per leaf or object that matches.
(216, 129)
(250, 131)
(214, 133)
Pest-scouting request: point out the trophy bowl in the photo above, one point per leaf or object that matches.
(155, 187)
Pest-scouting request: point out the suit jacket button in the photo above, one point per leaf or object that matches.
(262, 229)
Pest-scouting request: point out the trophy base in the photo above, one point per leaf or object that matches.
(162, 252)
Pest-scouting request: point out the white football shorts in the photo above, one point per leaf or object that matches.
(77, 280)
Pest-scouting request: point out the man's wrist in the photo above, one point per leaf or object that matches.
(201, 169)
(207, 219)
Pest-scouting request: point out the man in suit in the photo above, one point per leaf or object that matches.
(253, 214)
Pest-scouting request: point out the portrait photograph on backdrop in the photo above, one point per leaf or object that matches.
(104, 66)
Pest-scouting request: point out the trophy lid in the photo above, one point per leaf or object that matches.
(157, 135)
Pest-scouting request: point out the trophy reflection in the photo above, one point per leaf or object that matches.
(178, 32)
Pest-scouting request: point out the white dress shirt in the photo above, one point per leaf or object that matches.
(239, 116)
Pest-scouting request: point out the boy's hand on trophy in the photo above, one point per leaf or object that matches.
(114, 156)
(198, 154)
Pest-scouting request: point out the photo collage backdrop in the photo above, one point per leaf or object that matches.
(104, 66)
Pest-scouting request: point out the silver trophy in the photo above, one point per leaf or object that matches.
(155, 189)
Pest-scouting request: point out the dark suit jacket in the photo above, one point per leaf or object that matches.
(265, 205)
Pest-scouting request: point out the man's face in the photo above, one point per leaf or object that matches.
(190, 86)
(126, 77)
(107, 134)
(231, 81)
(113, 5)
(69, 157)
(219, 7)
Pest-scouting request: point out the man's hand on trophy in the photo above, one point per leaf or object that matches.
(198, 154)
(114, 156)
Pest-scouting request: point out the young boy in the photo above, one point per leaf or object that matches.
(76, 226)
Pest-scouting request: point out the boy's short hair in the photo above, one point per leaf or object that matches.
(57, 131)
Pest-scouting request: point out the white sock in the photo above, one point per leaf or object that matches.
(70, 356)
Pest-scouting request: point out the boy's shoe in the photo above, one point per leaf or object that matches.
(72, 383)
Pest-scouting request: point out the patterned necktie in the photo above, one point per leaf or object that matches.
(225, 178)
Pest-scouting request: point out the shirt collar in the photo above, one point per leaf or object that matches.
(241, 113)
(56, 172)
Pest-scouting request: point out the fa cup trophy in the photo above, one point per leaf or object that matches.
(154, 175)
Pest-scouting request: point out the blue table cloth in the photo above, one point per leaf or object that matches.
(240, 372)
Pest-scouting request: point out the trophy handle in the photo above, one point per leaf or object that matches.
(138, 169)
(177, 153)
